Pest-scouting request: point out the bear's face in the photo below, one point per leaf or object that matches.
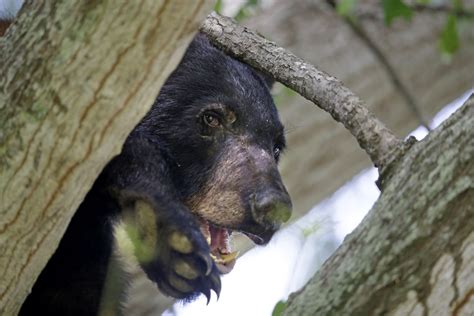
(223, 138)
(241, 189)
(240, 152)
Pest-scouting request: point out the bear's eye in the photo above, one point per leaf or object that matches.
(211, 119)
(276, 153)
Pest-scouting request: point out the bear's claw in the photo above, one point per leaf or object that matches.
(172, 251)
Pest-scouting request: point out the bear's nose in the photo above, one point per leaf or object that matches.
(271, 208)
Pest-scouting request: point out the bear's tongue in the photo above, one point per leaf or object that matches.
(218, 240)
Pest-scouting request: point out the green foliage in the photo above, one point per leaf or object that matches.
(449, 39)
(279, 308)
(457, 4)
(247, 9)
(346, 7)
(218, 6)
(395, 8)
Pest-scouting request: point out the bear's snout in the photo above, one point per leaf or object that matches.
(271, 208)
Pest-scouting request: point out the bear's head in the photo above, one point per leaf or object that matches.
(222, 137)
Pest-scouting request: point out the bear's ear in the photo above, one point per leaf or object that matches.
(269, 81)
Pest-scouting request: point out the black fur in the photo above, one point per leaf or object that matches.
(168, 159)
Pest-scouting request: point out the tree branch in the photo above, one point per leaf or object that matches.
(387, 66)
(325, 91)
(443, 8)
(421, 227)
(391, 73)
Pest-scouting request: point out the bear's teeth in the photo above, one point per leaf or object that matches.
(230, 256)
(225, 258)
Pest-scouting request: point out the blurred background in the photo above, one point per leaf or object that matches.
(413, 63)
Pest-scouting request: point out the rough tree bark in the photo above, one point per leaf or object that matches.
(322, 156)
(414, 252)
(76, 77)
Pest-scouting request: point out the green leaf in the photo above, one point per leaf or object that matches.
(279, 308)
(247, 9)
(346, 7)
(218, 6)
(395, 8)
(457, 4)
(449, 39)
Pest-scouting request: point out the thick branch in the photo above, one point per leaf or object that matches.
(412, 254)
(76, 78)
(322, 89)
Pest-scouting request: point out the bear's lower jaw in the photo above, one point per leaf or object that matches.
(219, 243)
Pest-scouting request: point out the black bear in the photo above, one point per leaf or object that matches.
(201, 165)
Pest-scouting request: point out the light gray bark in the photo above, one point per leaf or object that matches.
(414, 252)
(76, 78)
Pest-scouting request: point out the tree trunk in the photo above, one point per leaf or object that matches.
(414, 252)
(322, 156)
(76, 78)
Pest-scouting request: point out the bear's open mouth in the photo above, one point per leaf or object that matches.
(218, 239)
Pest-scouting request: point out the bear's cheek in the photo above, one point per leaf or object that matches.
(218, 206)
(224, 198)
